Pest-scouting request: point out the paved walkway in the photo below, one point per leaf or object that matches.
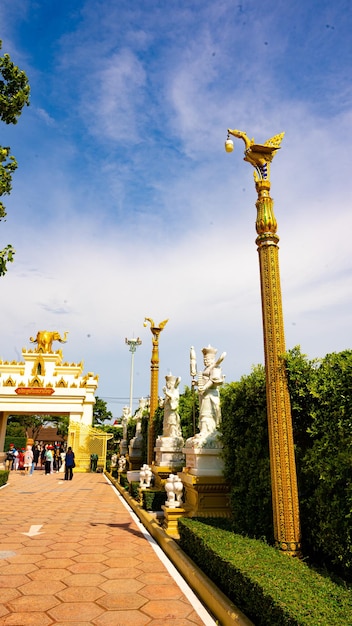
(73, 552)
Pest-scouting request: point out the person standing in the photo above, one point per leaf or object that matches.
(48, 460)
(10, 457)
(36, 456)
(28, 459)
(21, 459)
(16, 460)
(69, 463)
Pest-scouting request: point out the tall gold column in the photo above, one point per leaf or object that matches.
(154, 382)
(282, 459)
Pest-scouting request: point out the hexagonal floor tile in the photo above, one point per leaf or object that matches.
(122, 618)
(167, 609)
(68, 611)
(75, 594)
(113, 601)
(32, 603)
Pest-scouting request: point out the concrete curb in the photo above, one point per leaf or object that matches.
(213, 599)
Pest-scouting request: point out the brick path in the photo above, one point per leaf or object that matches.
(91, 563)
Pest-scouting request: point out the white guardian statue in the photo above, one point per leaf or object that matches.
(208, 382)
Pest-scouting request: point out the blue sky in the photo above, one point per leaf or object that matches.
(125, 204)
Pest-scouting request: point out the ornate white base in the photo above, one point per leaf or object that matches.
(133, 475)
(168, 452)
(204, 461)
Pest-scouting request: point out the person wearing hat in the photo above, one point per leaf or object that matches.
(48, 460)
(28, 459)
(10, 457)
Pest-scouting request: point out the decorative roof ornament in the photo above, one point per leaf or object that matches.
(258, 155)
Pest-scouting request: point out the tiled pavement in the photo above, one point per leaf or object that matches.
(71, 552)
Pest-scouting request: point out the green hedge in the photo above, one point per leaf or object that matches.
(321, 398)
(268, 586)
(153, 499)
(123, 481)
(246, 454)
(134, 489)
(18, 442)
(4, 475)
(321, 401)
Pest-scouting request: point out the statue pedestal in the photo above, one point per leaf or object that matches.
(135, 453)
(123, 447)
(168, 453)
(205, 496)
(202, 461)
(171, 516)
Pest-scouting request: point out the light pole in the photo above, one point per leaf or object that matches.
(154, 382)
(282, 459)
(132, 343)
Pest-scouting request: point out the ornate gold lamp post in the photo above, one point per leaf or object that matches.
(282, 459)
(154, 382)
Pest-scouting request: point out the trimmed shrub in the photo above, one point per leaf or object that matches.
(321, 396)
(4, 476)
(18, 442)
(153, 499)
(269, 587)
(123, 481)
(321, 401)
(246, 454)
(134, 489)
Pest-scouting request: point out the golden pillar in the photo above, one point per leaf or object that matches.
(154, 382)
(282, 459)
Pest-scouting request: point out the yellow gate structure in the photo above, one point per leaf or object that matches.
(84, 441)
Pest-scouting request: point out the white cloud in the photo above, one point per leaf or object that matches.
(111, 109)
(125, 205)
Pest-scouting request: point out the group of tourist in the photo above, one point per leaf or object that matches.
(52, 458)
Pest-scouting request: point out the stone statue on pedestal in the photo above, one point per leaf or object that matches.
(168, 447)
(171, 423)
(135, 446)
(124, 419)
(208, 383)
(126, 414)
(139, 414)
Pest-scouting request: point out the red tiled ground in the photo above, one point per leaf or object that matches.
(89, 563)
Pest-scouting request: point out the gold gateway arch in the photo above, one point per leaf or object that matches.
(43, 383)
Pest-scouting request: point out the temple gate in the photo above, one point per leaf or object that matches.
(43, 384)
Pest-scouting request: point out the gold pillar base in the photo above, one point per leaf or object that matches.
(171, 517)
(291, 548)
(206, 496)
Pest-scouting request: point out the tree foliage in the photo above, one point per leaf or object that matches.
(14, 95)
(321, 401)
(321, 395)
(29, 425)
(246, 454)
(189, 412)
(100, 412)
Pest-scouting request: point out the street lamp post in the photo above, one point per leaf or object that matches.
(282, 459)
(154, 382)
(132, 343)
